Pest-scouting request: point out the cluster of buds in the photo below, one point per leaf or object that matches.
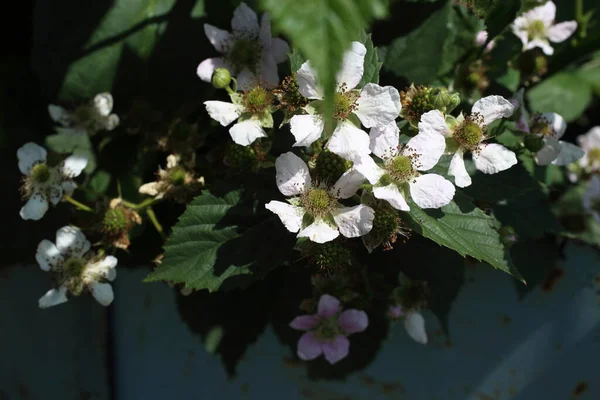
(417, 100)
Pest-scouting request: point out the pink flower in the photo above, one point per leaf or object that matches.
(481, 39)
(327, 330)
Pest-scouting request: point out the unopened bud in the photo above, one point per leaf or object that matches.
(221, 78)
(443, 100)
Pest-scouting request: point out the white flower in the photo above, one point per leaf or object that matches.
(74, 269)
(399, 173)
(44, 184)
(87, 118)
(481, 39)
(591, 198)
(176, 182)
(252, 109)
(590, 143)
(536, 28)
(314, 210)
(466, 134)
(249, 51)
(551, 127)
(373, 105)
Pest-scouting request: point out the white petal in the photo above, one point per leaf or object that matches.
(348, 141)
(60, 115)
(392, 195)
(102, 292)
(545, 13)
(569, 153)
(558, 124)
(111, 122)
(30, 154)
(319, 232)
(354, 221)
(384, 140)
(73, 165)
(103, 103)
(431, 191)
(47, 255)
(151, 188)
(55, 193)
(35, 208)
(68, 187)
(348, 184)
(561, 32)
(352, 66)
(307, 82)
(268, 75)
(492, 158)
(520, 30)
(414, 323)
(548, 152)
(433, 122)
(223, 112)
(172, 161)
(492, 108)
(458, 170)
(542, 44)
(104, 268)
(369, 168)
(289, 215)
(378, 105)
(207, 67)
(70, 240)
(306, 129)
(590, 140)
(292, 174)
(265, 32)
(219, 38)
(247, 80)
(428, 147)
(245, 21)
(246, 132)
(279, 50)
(53, 297)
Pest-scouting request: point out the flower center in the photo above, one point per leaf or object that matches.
(245, 53)
(328, 328)
(257, 100)
(40, 173)
(318, 202)
(344, 103)
(399, 170)
(540, 126)
(177, 176)
(74, 267)
(469, 134)
(536, 30)
(594, 155)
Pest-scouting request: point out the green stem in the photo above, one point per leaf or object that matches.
(79, 205)
(582, 19)
(136, 206)
(155, 222)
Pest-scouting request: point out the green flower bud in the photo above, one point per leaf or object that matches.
(221, 78)
(330, 256)
(443, 100)
(115, 221)
(533, 143)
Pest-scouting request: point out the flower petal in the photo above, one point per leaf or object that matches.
(354, 221)
(306, 129)
(557, 122)
(319, 232)
(103, 103)
(431, 191)
(47, 255)
(104, 268)
(265, 32)
(268, 75)
(55, 193)
(384, 141)
(207, 67)
(219, 38)
(60, 115)
(378, 105)
(290, 216)
(561, 32)
(590, 140)
(307, 82)
(337, 349)
(246, 132)
(292, 175)
(279, 50)
(348, 184)
(392, 195)
(414, 323)
(548, 152)
(352, 66)
(492, 158)
(353, 321)
(111, 122)
(328, 306)
(73, 165)
(30, 154)
(102, 292)
(369, 168)
(492, 108)
(433, 122)
(53, 297)
(151, 188)
(542, 44)
(545, 13)
(458, 170)
(348, 141)
(247, 80)
(35, 208)
(223, 112)
(70, 240)
(245, 22)
(304, 322)
(427, 148)
(309, 347)
(569, 153)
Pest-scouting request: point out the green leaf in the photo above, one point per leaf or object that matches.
(223, 242)
(590, 72)
(322, 30)
(296, 60)
(372, 63)
(501, 16)
(67, 142)
(465, 229)
(199, 9)
(565, 93)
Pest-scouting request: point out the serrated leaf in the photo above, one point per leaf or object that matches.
(372, 63)
(223, 242)
(465, 229)
(322, 30)
(296, 60)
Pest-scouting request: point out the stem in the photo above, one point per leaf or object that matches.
(582, 19)
(155, 222)
(79, 205)
(136, 206)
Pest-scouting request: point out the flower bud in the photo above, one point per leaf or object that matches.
(442, 100)
(534, 143)
(221, 78)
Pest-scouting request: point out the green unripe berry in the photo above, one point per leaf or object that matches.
(221, 78)
(177, 176)
(242, 158)
(329, 167)
(331, 256)
(115, 221)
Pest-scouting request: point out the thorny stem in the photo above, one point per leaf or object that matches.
(155, 222)
(79, 205)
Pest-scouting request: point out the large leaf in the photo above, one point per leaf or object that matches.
(323, 29)
(465, 229)
(223, 242)
(501, 15)
(372, 63)
(66, 142)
